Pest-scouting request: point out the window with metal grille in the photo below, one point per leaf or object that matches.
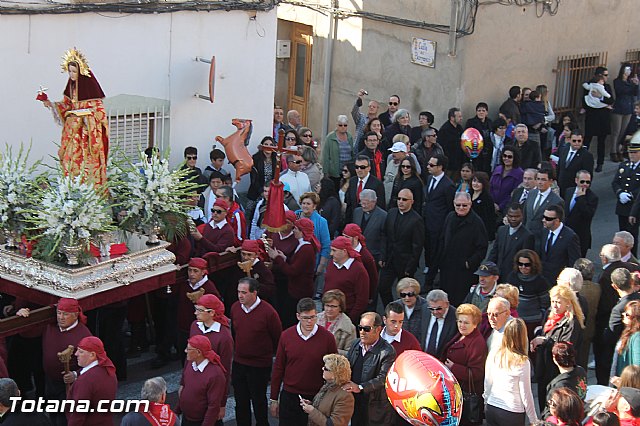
(571, 72)
(632, 56)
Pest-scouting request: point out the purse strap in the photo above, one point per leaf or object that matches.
(472, 387)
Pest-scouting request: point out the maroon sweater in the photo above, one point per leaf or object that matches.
(94, 385)
(354, 283)
(287, 245)
(186, 309)
(54, 341)
(407, 342)
(222, 344)
(182, 249)
(370, 265)
(267, 289)
(214, 239)
(201, 393)
(300, 271)
(298, 364)
(256, 334)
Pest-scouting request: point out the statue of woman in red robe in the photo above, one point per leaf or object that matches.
(84, 144)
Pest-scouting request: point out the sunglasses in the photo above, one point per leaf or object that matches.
(307, 135)
(393, 103)
(342, 125)
(200, 310)
(296, 161)
(404, 199)
(345, 171)
(588, 182)
(431, 165)
(217, 211)
(359, 167)
(549, 219)
(406, 166)
(325, 369)
(552, 403)
(432, 309)
(192, 157)
(462, 205)
(525, 264)
(365, 328)
(507, 156)
(410, 294)
(290, 138)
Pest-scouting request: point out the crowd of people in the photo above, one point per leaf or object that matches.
(321, 308)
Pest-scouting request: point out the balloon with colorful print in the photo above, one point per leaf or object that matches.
(471, 142)
(423, 391)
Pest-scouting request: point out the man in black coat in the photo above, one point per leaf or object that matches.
(449, 138)
(530, 154)
(572, 158)
(440, 326)
(438, 203)
(510, 108)
(626, 185)
(386, 118)
(11, 410)
(371, 219)
(539, 200)
(558, 246)
(404, 230)
(363, 180)
(464, 246)
(520, 195)
(510, 240)
(581, 204)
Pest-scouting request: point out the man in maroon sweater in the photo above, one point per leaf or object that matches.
(347, 273)
(253, 251)
(196, 279)
(400, 339)
(285, 242)
(298, 365)
(354, 233)
(217, 235)
(257, 329)
(211, 323)
(69, 330)
(202, 385)
(95, 382)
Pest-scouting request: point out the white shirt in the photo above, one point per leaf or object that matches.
(301, 242)
(346, 264)
(437, 181)
(215, 327)
(252, 307)
(541, 197)
(389, 338)
(358, 248)
(219, 225)
(555, 235)
(302, 336)
(514, 230)
(72, 326)
(298, 183)
(509, 389)
(408, 311)
(440, 327)
(200, 367)
(363, 180)
(89, 367)
(626, 257)
(199, 283)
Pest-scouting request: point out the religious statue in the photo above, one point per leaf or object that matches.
(84, 145)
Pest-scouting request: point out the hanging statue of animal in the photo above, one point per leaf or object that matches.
(235, 146)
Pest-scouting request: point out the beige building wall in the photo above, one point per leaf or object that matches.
(510, 46)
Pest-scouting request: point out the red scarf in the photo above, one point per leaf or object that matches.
(160, 415)
(377, 160)
(552, 320)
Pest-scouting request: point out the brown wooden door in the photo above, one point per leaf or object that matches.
(300, 69)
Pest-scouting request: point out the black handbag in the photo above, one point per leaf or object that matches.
(473, 404)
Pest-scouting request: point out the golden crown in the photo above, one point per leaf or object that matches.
(75, 56)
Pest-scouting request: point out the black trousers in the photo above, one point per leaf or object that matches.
(624, 225)
(388, 275)
(495, 416)
(56, 390)
(25, 362)
(600, 150)
(164, 308)
(603, 357)
(250, 389)
(107, 323)
(291, 413)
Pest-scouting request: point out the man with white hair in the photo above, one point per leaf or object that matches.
(371, 218)
(337, 150)
(154, 390)
(298, 180)
(625, 241)
(294, 119)
(499, 313)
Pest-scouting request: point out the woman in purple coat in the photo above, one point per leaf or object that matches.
(506, 177)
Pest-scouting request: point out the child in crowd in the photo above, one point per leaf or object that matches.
(596, 92)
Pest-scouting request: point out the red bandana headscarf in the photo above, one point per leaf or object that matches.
(354, 231)
(203, 344)
(200, 263)
(255, 246)
(290, 216)
(93, 344)
(210, 301)
(223, 204)
(66, 304)
(306, 227)
(343, 243)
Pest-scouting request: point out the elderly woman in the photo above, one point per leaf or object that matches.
(571, 375)
(331, 406)
(310, 165)
(564, 322)
(415, 307)
(336, 321)
(337, 150)
(401, 124)
(466, 353)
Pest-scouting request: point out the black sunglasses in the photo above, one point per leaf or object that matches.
(365, 328)
(406, 166)
(325, 368)
(393, 103)
(525, 264)
(438, 308)
(217, 211)
(360, 167)
(410, 294)
(404, 199)
(549, 219)
(507, 156)
(192, 157)
(296, 161)
(585, 181)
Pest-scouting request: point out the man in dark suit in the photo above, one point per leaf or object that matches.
(581, 204)
(11, 410)
(510, 108)
(558, 246)
(572, 158)
(405, 238)
(540, 199)
(438, 203)
(521, 193)
(439, 327)
(363, 180)
(510, 240)
(449, 138)
(371, 218)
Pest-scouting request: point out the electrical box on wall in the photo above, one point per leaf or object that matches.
(283, 49)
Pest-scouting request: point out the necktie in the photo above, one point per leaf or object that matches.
(523, 197)
(571, 154)
(573, 203)
(432, 346)
(433, 184)
(537, 203)
(549, 243)
(359, 190)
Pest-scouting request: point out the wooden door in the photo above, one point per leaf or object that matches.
(300, 69)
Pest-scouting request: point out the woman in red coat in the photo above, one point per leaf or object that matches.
(466, 353)
(299, 268)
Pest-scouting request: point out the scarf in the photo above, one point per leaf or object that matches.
(377, 160)
(160, 415)
(552, 320)
(328, 386)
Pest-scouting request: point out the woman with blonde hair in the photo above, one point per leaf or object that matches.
(507, 380)
(331, 405)
(564, 323)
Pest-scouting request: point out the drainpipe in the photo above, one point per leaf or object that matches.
(455, 9)
(328, 66)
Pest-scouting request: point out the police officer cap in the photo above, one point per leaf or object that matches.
(634, 143)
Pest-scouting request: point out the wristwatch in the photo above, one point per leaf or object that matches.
(273, 401)
(360, 387)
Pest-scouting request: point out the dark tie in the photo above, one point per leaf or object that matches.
(549, 243)
(433, 184)
(523, 197)
(571, 154)
(432, 347)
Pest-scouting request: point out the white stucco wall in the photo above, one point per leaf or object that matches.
(145, 55)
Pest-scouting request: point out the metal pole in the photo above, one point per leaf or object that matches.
(453, 27)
